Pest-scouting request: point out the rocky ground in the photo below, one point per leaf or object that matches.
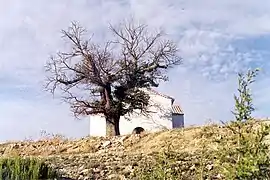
(145, 143)
(110, 166)
(113, 157)
(101, 157)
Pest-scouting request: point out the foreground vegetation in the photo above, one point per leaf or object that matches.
(25, 168)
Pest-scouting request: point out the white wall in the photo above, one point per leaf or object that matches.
(160, 118)
(97, 125)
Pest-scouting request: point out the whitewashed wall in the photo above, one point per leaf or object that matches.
(97, 125)
(159, 119)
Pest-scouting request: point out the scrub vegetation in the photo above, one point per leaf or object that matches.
(18, 168)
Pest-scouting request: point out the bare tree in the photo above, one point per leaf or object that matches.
(109, 79)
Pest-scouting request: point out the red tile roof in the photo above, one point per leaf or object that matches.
(176, 109)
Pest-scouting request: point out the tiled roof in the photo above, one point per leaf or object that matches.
(176, 109)
(161, 94)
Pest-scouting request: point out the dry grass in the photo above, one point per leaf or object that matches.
(182, 140)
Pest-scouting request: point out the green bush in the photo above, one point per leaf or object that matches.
(18, 168)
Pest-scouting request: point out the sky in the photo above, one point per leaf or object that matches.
(216, 39)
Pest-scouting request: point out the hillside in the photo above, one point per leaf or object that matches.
(117, 157)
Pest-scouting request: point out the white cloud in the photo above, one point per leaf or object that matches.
(204, 30)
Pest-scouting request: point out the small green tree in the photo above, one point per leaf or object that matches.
(243, 153)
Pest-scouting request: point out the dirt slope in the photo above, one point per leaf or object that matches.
(114, 157)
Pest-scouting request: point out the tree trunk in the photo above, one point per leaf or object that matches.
(112, 126)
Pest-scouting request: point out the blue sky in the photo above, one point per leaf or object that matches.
(216, 39)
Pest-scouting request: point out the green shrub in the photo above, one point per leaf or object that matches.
(18, 168)
(244, 154)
